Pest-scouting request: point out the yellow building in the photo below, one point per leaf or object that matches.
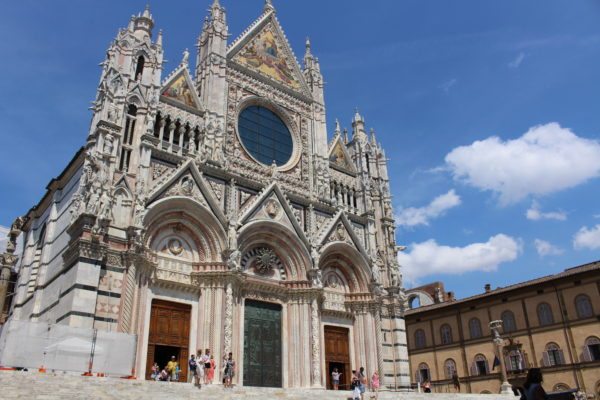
(552, 323)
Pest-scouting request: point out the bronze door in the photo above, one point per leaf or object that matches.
(262, 344)
(169, 335)
(337, 355)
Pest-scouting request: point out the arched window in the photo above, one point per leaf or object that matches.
(420, 340)
(130, 119)
(553, 355)
(561, 387)
(480, 365)
(475, 328)
(592, 349)
(449, 368)
(544, 313)
(139, 68)
(423, 373)
(414, 302)
(583, 306)
(446, 334)
(508, 321)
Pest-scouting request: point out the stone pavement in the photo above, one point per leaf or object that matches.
(33, 385)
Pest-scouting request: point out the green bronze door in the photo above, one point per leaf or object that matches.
(262, 344)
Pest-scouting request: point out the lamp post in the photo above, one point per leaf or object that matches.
(505, 388)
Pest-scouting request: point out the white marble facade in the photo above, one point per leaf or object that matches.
(165, 202)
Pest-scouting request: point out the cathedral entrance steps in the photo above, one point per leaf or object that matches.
(33, 385)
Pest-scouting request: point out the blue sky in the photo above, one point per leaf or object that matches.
(451, 88)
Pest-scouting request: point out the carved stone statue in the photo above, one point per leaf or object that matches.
(104, 205)
(140, 204)
(186, 57)
(108, 144)
(394, 277)
(233, 261)
(375, 273)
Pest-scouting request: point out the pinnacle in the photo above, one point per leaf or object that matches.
(269, 6)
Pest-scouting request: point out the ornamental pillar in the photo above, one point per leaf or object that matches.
(316, 343)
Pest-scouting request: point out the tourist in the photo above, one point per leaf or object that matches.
(533, 385)
(211, 370)
(355, 386)
(427, 386)
(193, 369)
(206, 362)
(172, 369)
(362, 379)
(163, 376)
(155, 371)
(200, 368)
(456, 382)
(375, 384)
(335, 379)
(229, 371)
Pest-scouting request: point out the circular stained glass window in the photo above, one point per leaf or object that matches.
(265, 136)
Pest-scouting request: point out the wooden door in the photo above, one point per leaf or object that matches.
(337, 355)
(169, 327)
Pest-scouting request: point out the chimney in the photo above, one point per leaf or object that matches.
(450, 296)
(488, 288)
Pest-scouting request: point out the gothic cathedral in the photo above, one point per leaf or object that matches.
(208, 209)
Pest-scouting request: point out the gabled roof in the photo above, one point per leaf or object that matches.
(339, 229)
(204, 193)
(339, 157)
(179, 90)
(264, 51)
(273, 194)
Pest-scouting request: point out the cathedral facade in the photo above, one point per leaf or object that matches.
(209, 209)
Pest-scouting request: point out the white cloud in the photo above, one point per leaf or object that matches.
(535, 213)
(546, 159)
(3, 238)
(587, 238)
(446, 86)
(429, 257)
(413, 216)
(517, 61)
(545, 248)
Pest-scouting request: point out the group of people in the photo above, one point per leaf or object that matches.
(358, 383)
(202, 368)
(170, 373)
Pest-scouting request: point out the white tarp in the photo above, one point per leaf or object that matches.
(63, 348)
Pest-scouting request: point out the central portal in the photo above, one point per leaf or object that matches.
(262, 344)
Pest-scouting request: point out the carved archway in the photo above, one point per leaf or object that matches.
(282, 241)
(343, 262)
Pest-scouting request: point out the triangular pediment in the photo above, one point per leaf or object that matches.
(264, 50)
(178, 90)
(339, 156)
(272, 205)
(188, 181)
(340, 229)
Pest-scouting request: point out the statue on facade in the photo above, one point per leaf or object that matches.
(108, 144)
(139, 210)
(105, 205)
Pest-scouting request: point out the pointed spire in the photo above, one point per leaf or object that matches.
(131, 24)
(373, 140)
(144, 21)
(357, 116)
(337, 131)
(146, 13)
(346, 140)
(358, 127)
(268, 6)
(159, 39)
(185, 58)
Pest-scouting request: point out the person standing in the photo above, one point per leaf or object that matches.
(427, 386)
(211, 370)
(335, 379)
(200, 368)
(362, 378)
(172, 369)
(355, 385)
(533, 385)
(193, 369)
(456, 382)
(206, 362)
(375, 384)
(229, 371)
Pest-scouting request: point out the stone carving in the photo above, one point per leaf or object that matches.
(333, 281)
(175, 247)
(265, 261)
(315, 341)
(228, 328)
(187, 186)
(272, 208)
(108, 144)
(340, 232)
(316, 277)
(140, 204)
(394, 277)
(375, 273)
